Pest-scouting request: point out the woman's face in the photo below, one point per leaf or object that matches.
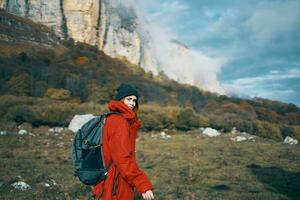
(130, 101)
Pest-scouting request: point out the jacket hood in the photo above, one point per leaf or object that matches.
(119, 106)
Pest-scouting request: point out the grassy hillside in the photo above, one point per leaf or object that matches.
(41, 75)
(189, 166)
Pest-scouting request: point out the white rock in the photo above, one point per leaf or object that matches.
(78, 121)
(56, 130)
(61, 144)
(53, 182)
(234, 131)
(3, 132)
(163, 135)
(31, 134)
(46, 185)
(22, 132)
(20, 185)
(290, 140)
(239, 138)
(211, 132)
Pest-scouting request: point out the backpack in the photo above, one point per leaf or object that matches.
(87, 151)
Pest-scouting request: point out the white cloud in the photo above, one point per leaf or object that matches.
(254, 81)
(267, 86)
(235, 34)
(178, 62)
(272, 21)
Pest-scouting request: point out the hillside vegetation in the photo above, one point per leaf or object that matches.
(47, 83)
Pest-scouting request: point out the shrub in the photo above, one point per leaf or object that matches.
(151, 122)
(292, 131)
(187, 119)
(218, 122)
(296, 132)
(58, 94)
(9, 101)
(267, 130)
(241, 124)
(156, 117)
(22, 113)
(19, 85)
(81, 60)
(42, 112)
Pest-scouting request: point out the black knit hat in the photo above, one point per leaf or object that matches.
(125, 90)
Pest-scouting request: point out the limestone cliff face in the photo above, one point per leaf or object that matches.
(15, 29)
(107, 24)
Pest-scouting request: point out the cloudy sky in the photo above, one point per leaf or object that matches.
(258, 41)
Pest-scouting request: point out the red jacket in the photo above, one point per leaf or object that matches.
(120, 132)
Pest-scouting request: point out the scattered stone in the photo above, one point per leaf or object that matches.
(61, 144)
(53, 182)
(239, 139)
(1, 184)
(3, 133)
(31, 134)
(243, 136)
(78, 121)
(26, 126)
(163, 135)
(234, 131)
(22, 132)
(56, 129)
(211, 132)
(290, 140)
(46, 184)
(20, 185)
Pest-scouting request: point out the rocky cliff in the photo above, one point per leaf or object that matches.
(14, 29)
(108, 24)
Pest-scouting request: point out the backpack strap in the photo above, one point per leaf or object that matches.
(108, 166)
(110, 162)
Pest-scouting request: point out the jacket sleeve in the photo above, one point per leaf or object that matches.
(123, 156)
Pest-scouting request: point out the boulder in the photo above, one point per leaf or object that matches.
(22, 132)
(290, 140)
(20, 185)
(211, 132)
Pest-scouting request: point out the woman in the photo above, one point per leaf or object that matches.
(120, 132)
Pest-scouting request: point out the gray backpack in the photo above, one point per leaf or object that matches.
(87, 151)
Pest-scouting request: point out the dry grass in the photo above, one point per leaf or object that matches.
(188, 166)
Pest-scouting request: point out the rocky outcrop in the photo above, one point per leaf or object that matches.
(107, 24)
(17, 29)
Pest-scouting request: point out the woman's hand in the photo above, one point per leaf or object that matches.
(148, 195)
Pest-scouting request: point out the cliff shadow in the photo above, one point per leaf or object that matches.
(278, 180)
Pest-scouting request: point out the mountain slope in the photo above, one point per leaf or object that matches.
(38, 69)
(107, 24)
